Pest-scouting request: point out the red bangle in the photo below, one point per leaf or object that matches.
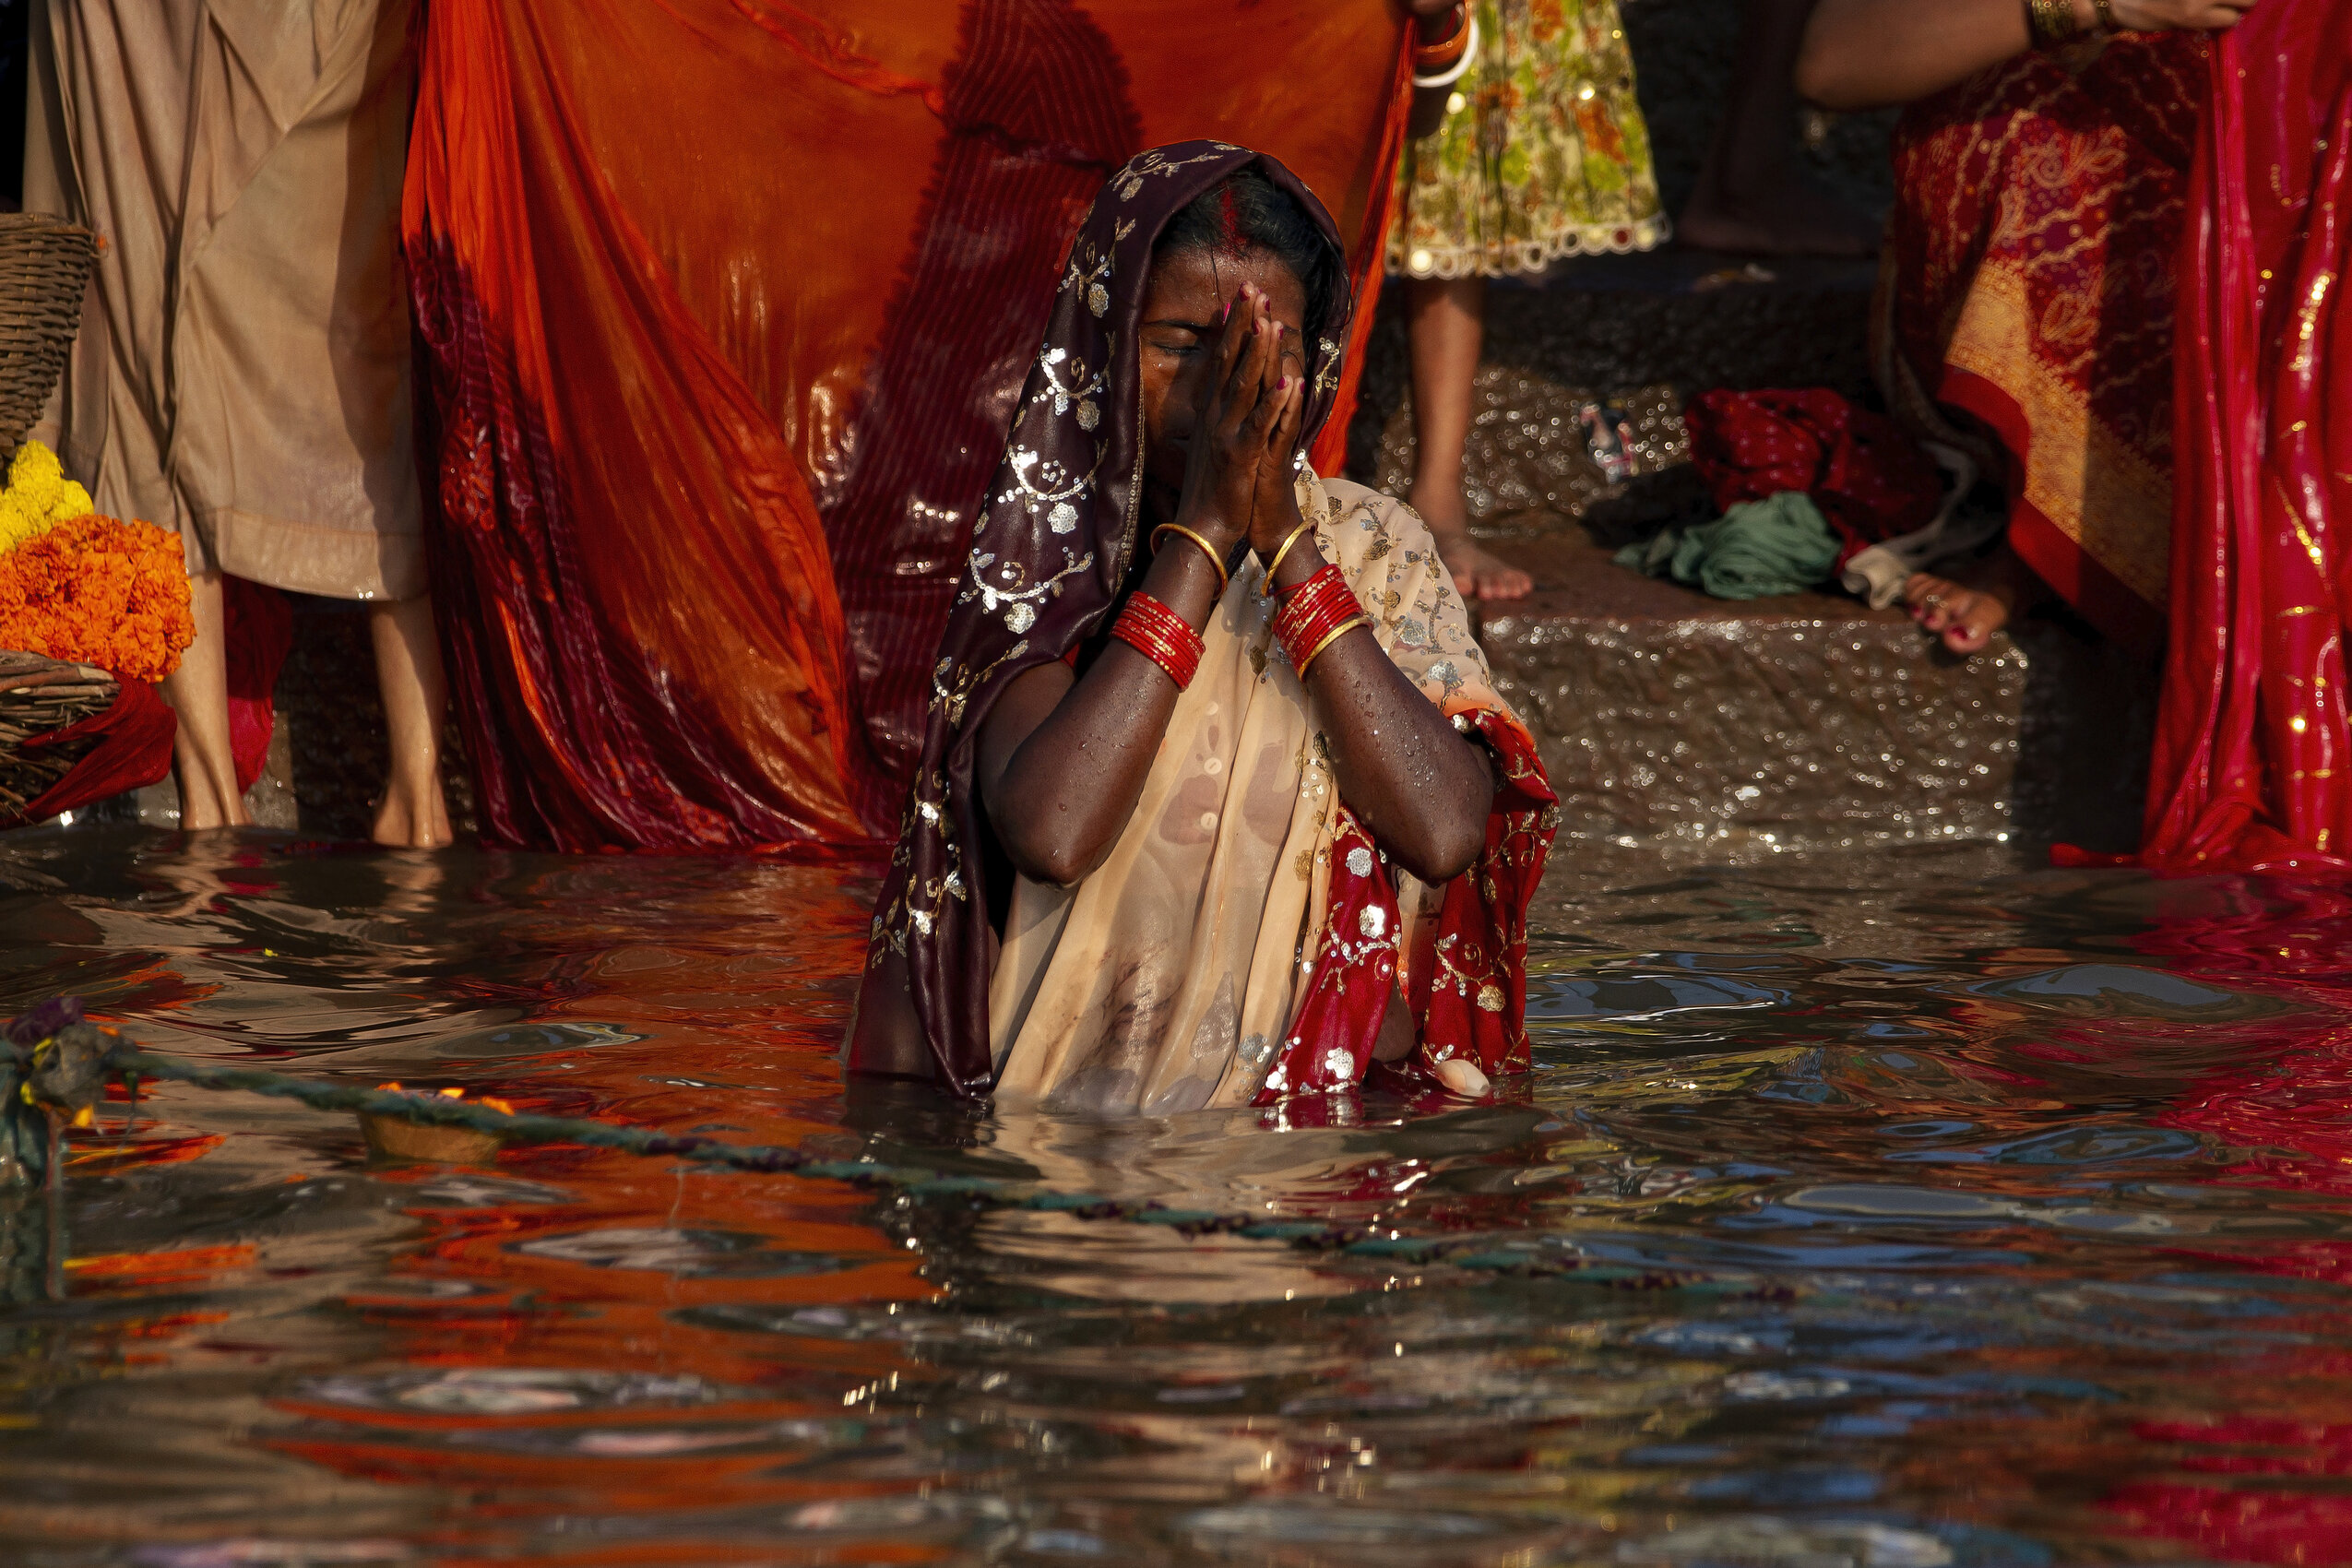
(1161, 635)
(1320, 609)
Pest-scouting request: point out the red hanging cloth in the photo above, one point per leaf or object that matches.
(2251, 766)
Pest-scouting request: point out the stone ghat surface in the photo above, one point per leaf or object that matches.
(1739, 732)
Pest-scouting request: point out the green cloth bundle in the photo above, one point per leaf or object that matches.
(1759, 548)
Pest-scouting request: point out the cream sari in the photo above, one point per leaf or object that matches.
(1164, 982)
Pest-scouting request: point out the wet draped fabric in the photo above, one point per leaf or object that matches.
(2026, 285)
(1048, 563)
(2252, 767)
(719, 290)
(242, 373)
(1169, 980)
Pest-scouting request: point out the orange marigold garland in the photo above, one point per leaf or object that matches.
(98, 591)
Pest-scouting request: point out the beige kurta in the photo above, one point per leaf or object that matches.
(243, 370)
(1164, 981)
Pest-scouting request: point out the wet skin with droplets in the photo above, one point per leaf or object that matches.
(1889, 1210)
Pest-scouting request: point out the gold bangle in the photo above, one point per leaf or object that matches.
(2106, 8)
(1223, 576)
(1336, 632)
(2052, 21)
(1265, 589)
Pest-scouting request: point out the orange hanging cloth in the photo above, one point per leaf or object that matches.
(708, 287)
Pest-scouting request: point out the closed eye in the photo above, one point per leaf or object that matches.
(1178, 337)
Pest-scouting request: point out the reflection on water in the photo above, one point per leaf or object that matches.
(1934, 1213)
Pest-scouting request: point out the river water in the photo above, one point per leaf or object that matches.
(1934, 1210)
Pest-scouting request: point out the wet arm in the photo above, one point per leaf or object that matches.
(1423, 787)
(1064, 758)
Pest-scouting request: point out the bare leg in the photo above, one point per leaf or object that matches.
(408, 669)
(1447, 326)
(199, 693)
(1751, 195)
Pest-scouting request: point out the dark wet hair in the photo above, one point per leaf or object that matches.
(1249, 212)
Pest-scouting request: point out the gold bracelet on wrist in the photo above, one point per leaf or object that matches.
(1265, 589)
(1336, 632)
(1223, 576)
(2052, 22)
(2106, 8)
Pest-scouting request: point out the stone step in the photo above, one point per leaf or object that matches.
(1646, 332)
(1740, 732)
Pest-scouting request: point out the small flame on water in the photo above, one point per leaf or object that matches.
(490, 1101)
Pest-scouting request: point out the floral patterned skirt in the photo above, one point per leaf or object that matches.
(1543, 153)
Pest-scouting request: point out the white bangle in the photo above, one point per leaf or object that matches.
(1455, 72)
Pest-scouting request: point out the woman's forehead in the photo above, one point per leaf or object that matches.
(1194, 285)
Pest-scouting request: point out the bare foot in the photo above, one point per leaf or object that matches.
(1965, 618)
(1479, 573)
(412, 815)
(1792, 216)
(208, 803)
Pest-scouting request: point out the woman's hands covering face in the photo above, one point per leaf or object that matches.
(1240, 473)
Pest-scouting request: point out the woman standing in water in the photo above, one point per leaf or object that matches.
(1192, 706)
(1531, 148)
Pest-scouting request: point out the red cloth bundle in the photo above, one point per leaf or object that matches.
(1868, 479)
(133, 749)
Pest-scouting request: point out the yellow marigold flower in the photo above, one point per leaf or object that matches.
(39, 497)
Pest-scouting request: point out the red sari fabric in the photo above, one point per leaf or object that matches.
(1467, 993)
(726, 304)
(260, 634)
(2027, 288)
(2250, 762)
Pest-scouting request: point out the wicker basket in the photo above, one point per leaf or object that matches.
(37, 696)
(45, 270)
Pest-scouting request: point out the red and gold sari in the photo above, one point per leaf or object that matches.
(2027, 288)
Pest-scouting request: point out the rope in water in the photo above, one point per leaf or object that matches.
(54, 1065)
